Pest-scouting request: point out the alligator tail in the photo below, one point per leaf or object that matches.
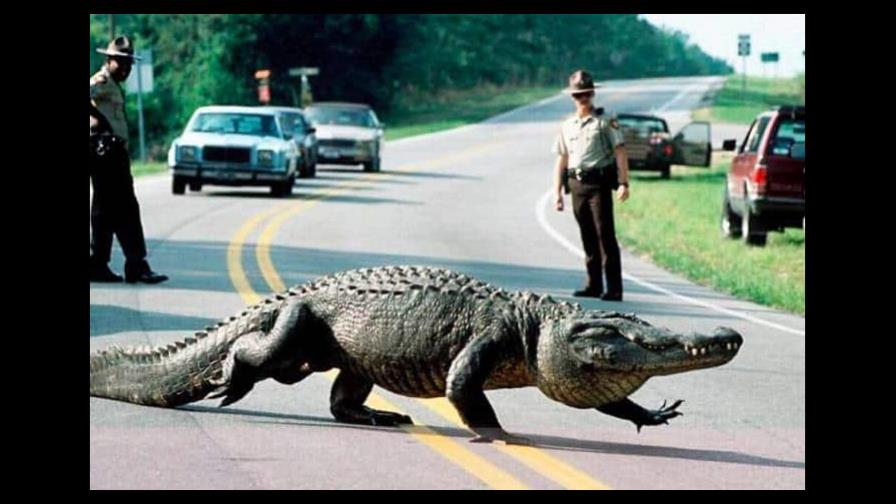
(169, 376)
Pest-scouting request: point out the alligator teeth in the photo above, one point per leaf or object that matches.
(694, 352)
(730, 346)
(703, 351)
(735, 346)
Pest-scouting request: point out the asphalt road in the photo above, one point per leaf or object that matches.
(472, 199)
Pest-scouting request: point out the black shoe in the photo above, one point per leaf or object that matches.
(104, 274)
(587, 293)
(612, 296)
(148, 276)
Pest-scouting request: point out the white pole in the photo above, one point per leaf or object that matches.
(140, 111)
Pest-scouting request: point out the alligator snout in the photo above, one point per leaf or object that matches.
(723, 340)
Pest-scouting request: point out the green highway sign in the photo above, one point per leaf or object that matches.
(769, 57)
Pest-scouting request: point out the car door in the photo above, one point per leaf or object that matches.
(692, 145)
(745, 159)
(786, 158)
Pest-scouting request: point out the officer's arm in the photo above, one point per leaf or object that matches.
(560, 173)
(98, 121)
(622, 163)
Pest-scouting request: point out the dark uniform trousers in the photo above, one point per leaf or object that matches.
(115, 210)
(592, 205)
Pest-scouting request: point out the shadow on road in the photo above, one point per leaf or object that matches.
(547, 442)
(108, 319)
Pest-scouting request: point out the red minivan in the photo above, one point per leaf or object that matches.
(766, 188)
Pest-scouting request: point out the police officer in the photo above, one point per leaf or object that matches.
(114, 210)
(591, 163)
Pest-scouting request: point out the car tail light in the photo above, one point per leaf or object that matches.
(667, 150)
(759, 176)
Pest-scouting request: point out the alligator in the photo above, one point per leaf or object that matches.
(418, 332)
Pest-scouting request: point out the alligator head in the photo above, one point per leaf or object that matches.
(595, 357)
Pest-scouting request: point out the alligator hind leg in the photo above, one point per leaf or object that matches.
(258, 355)
(347, 403)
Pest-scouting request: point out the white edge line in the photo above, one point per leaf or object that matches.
(576, 251)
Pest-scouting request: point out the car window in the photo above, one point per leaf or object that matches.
(642, 127)
(341, 117)
(756, 135)
(292, 123)
(241, 124)
(790, 139)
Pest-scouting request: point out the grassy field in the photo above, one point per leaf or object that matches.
(733, 106)
(450, 109)
(675, 224)
(139, 169)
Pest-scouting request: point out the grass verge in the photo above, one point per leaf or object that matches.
(675, 224)
(732, 105)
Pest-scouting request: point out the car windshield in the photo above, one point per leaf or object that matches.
(790, 139)
(239, 124)
(341, 117)
(642, 127)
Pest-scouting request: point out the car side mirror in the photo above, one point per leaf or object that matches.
(311, 130)
(287, 136)
(729, 145)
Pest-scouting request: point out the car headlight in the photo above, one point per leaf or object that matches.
(187, 153)
(266, 157)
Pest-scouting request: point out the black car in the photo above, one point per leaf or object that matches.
(651, 147)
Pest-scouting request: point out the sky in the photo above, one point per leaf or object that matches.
(717, 35)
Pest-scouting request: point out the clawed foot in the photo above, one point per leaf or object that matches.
(235, 382)
(660, 416)
(388, 418)
(500, 435)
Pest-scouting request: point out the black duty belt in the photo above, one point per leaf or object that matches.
(593, 175)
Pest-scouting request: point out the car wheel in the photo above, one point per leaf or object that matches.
(752, 233)
(178, 186)
(195, 186)
(665, 171)
(731, 222)
(283, 189)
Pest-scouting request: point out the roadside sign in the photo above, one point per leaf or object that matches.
(743, 45)
(296, 72)
(769, 57)
(140, 79)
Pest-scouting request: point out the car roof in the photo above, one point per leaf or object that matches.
(338, 104)
(283, 109)
(236, 109)
(640, 116)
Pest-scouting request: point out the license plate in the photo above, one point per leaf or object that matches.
(327, 153)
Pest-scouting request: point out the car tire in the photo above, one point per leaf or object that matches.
(283, 189)
(178, 185)
(665, 171)
(195, 186)
(752, 232)
(730, 221)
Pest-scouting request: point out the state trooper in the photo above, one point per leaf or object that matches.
(591, 164)
(114, 209)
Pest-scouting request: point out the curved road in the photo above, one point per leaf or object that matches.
(471, 199)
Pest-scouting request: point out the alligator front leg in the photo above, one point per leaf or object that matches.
(258, 355)
(466, 377)
(629, 410)
(347, 403)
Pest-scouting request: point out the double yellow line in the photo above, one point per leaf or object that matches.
(493, 476)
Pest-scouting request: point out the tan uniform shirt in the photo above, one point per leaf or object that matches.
(108, 99)
(580, 139)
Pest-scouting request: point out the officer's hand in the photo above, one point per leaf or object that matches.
(622, 193)
(559, 203)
